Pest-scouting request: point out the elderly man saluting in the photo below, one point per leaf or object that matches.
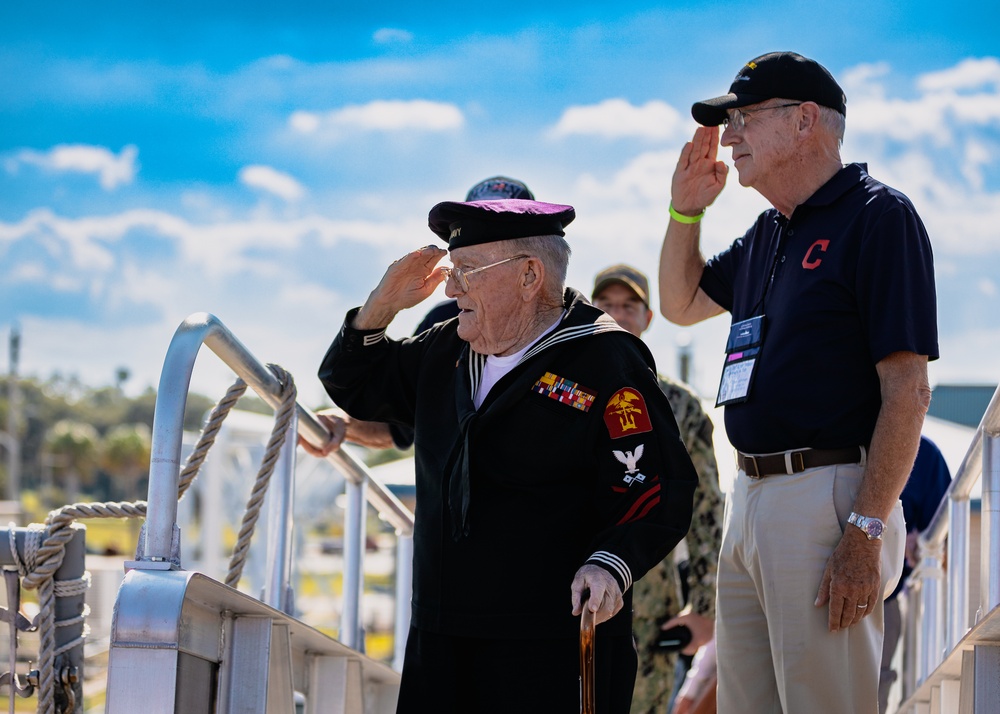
(548, 464)
(825, 385)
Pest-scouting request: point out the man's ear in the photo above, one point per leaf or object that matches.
(532, 278)
(809, 117)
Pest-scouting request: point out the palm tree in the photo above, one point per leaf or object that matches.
(75, 445)
(125, 456)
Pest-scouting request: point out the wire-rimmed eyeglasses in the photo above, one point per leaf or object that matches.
(739, 117)
(462, 276)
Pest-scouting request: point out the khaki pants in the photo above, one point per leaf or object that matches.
(775, 651)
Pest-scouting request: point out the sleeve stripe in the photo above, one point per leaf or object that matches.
(369, 340)
(630, 514)
(649, 506)
(616, 564)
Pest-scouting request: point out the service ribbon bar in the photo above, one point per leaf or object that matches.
(564, 391)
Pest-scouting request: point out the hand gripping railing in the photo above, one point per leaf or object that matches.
(168, 420)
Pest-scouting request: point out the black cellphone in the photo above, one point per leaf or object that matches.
(676, 638)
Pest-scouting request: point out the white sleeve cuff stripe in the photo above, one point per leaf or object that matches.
(617, 564)
(370, 340)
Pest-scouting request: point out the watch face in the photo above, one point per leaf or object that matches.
(874, 528)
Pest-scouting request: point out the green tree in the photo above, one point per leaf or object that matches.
(125, 457)
(75, 446)
(121, 376)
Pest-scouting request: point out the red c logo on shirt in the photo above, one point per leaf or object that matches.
(813, 264)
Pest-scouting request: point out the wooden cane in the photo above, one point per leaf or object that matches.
(586, 659)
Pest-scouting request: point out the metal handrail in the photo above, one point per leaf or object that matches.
(204, 328)
(940, 634)
(968, 473)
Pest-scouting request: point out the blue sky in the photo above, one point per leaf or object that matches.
(264, 162)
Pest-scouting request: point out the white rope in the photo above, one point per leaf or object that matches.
(282, 420)
(42, 559)
(73, 586)
(211, 429)
(32, 540)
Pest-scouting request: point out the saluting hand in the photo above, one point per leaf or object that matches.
(699, 177)
(407, 282)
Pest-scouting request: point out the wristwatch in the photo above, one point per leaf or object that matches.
(872, 527)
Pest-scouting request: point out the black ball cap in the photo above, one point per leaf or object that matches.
(784, 75)
(475, 222)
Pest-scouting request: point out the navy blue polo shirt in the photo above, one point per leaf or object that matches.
(846, 281)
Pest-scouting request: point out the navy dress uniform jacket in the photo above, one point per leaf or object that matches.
(574, 457)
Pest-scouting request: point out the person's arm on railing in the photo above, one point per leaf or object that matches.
(342, 427)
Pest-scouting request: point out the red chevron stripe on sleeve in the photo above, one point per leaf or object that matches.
(645, 502)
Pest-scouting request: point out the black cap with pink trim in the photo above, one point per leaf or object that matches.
(476, 222)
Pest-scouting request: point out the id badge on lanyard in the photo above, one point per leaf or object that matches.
(742, 354)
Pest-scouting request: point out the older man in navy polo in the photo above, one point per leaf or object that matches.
(824, 381)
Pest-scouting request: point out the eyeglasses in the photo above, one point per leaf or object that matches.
(462, 276)
(740, 117)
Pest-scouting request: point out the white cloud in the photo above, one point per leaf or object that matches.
(304, 122)
(934, 141)
(28, 272)
(273, 181)
(306, 296)
(392, 35)
(946, 103)
(280, 63)
(987, 288)
(381, 116)
(864, 80)
(617, 118)
(224, 248)
(967, 74)
(81, 250)
(112, 170)
(274, 282)
(977, 156)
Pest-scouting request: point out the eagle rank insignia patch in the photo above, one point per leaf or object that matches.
(626, 414)
(564, 391)
(630, 459)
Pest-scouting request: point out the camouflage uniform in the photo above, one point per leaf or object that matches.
(657, 596)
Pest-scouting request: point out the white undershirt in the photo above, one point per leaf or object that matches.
(497, 366)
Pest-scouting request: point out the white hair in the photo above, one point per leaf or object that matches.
(554, 252)
(834, 122)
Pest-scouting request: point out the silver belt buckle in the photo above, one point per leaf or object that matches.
(756, 468)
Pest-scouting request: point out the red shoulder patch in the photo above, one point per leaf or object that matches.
(626, 414)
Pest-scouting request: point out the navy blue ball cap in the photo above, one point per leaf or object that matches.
(499, 187)
(783, 75)
(476, 222)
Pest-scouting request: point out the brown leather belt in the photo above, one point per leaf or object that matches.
(792, 462)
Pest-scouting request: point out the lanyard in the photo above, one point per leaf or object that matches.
(759, 306)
